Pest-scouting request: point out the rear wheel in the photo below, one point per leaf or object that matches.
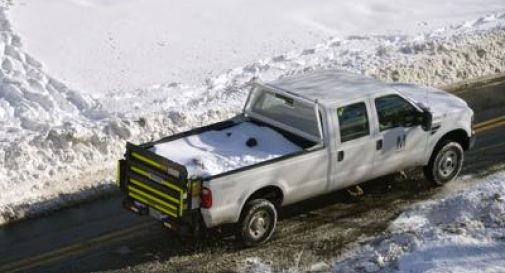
(258, 222)
(445, 163)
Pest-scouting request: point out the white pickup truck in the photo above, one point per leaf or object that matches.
(296, 138)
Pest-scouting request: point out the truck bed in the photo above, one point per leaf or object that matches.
(155, 175)
(220, 150)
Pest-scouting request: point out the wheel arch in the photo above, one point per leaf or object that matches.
(458, 135)
(271, 193)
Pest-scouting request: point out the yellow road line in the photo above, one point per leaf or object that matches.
(489, 121)
(73, 249)
(489, 126)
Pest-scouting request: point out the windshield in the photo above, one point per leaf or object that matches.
(285, 110)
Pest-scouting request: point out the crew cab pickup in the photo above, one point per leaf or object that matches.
(296, 138)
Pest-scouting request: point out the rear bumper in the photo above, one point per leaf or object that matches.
(190, 224)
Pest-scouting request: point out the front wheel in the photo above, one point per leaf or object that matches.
(258, 222)
(445, 163)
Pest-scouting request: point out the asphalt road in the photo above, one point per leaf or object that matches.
(101, 236)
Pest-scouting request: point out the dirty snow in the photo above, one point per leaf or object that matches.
(58, 145)
(217, 151)
(463, 232)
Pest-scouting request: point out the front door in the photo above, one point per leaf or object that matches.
(353, 155)
(400, 141)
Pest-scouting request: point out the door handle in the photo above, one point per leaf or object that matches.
(340, 155)
(378, 145)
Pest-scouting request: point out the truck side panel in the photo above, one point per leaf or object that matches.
(298, 177)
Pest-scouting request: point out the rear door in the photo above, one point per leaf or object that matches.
(400, 141)
(352, 158)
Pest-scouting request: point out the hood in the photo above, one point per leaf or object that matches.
(439, 102)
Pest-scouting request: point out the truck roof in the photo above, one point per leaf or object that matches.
(329, 86)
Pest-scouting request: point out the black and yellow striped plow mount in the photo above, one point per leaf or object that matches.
(154, 181)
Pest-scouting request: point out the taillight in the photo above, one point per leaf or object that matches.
(206, 198)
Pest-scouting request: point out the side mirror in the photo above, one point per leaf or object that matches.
(426, 120)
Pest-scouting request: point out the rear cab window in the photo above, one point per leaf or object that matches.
(286, 110)
(353, 121)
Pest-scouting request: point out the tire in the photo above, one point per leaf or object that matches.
(257, 223)
(445, 163)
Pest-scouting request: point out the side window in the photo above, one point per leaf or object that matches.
(353, 121)
(394, 111)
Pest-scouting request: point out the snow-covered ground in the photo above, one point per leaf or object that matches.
(463, 232)
(120, 45)
(59, 144)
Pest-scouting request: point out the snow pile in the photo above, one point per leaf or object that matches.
(30, 100)
(130, 44)
(217, 151)
(59, 146)
(33, 108)
(464, 232)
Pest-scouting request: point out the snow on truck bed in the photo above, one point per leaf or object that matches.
(217, 151)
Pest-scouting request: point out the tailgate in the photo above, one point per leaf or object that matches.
(156, 182)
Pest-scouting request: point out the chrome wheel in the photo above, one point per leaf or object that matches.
(259, 224)
(448, 163)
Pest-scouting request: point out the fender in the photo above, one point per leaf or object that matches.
(451, 123)
(282, 186)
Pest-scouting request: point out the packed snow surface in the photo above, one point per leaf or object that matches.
(463, 232)
(100, 46)
(59, 143)
(217, 151)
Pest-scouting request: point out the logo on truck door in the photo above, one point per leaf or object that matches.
(400, 142)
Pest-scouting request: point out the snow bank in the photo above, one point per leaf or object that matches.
(464, 232)
(130, 44)
(217, 151)
(59, 146)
